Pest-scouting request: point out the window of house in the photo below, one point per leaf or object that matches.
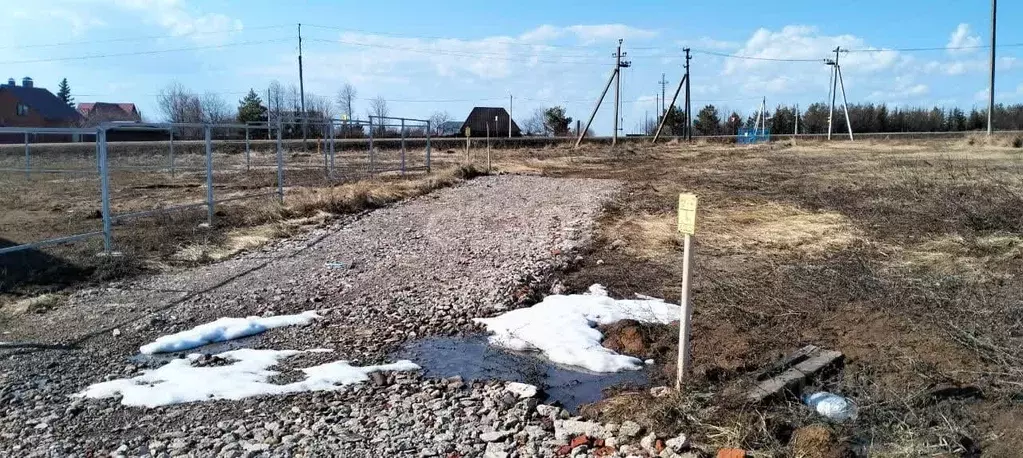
(22, 109)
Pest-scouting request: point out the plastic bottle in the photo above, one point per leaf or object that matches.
(831, 406)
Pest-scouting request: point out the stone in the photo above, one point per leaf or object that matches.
(563, 429)
(660, 391)
(648, 443)
(677, 443)
(495, 436)
(522, 390)
(630, 429)
(548, 411)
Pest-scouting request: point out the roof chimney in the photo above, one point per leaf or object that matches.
(26, 81)
(10, 82)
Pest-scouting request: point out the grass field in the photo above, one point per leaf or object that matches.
(905, 256)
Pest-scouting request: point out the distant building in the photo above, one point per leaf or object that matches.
(97, 113)
(493, 118)
(30, 106)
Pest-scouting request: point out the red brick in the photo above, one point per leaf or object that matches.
(564, 450)
(579, 440)
(731, 453)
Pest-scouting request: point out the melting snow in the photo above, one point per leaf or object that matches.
(224, 329)
(179, 381)
(562, 327)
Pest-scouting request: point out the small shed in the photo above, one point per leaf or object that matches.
(494, 118)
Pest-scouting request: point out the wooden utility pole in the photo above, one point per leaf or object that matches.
(615, 74)
(301, 89)
(686, 109)
(836, 82)
(663, 82)
(689, 105)
(991, 86)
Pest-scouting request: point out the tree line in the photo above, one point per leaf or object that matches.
(864, 118)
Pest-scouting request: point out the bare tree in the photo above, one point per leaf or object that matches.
(345, 98)
(437, 119)
(536, 124)
(275, 101)
(378, 107)
(179, 105)
(215, 109)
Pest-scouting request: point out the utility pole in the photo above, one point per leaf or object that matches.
(682, 83)
(268, 113)
(615, 75)
(832, 88)
(838, 82)
(991, 87)
(511, 103)
(619, 64)
(689, 105)
(301, 87)
(663, 82)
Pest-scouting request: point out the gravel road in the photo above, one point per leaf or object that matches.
(425, 267)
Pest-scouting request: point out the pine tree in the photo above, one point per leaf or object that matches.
(251, 109)
(64, 93)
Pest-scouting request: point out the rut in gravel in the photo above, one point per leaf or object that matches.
(421, 268)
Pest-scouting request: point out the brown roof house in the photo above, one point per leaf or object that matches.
(493, 118)
(97, 113)
(30, 106)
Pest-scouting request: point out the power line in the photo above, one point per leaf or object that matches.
(499, 56)
(935, 48)
(509, 41)
(142, 38)
(772, 59)
(141, 53)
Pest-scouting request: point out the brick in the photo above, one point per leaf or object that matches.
(731, 453)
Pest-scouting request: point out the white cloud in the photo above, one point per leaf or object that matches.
(589, 34)
(806, 42)
(179, 20)
(961, 38)
(711, 44)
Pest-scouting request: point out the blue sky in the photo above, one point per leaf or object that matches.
(450, 56)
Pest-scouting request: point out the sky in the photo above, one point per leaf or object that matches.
(425, 57)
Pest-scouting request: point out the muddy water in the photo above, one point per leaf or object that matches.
(473, 358)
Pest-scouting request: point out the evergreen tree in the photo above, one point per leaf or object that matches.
(251, 109)
(707, 121)
(64, 93)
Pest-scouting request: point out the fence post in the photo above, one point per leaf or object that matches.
(104, 180)
(280, 166)
(246, 148)
(209, 174)
(330, 131)
(428, 146)
(402, 146)
(172, 150)
(372, 157)
(28, 159)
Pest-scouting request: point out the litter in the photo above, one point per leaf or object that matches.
(334, 265)
(831, 406)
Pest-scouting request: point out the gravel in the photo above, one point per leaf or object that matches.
(424, 267)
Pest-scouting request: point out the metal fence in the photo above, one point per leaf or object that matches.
(179, 167)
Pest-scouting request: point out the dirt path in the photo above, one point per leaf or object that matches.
(424, 267)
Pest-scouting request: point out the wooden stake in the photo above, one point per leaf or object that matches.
(687, 226)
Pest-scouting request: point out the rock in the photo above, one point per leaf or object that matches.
(454, 383)
(677, 443)
(564, 429)
(378, 379)
(660, 391)
(580, 450)
(548, 411)
(630, 429)
(649, 443)
(116, 332)
(495, 436)
(42, 425)
(522, 390)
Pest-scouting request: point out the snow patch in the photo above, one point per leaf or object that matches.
(224, 329)
(179, 381)
(562, 327)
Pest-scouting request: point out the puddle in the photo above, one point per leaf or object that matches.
(474, 359)
(159, 359)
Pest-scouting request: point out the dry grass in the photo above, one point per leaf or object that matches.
(776, 227)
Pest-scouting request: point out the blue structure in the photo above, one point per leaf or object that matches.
(749, 136)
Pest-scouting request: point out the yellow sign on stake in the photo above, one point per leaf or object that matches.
(687, 213)
(468, 131)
